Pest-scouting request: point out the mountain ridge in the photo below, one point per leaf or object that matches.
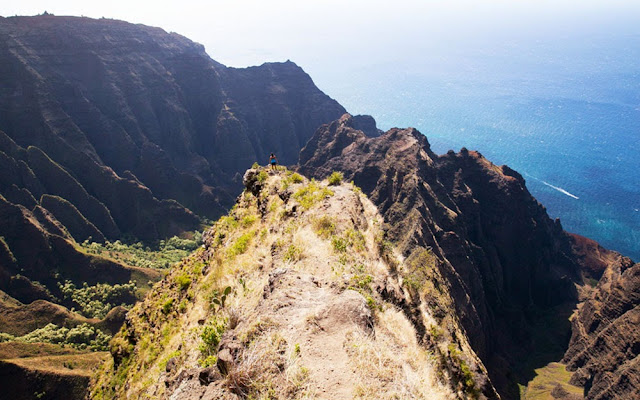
(109, 129)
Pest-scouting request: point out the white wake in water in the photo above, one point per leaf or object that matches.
(559, 189)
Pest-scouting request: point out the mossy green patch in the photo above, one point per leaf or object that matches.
(241, 244)
(552, 376)
(311, 194)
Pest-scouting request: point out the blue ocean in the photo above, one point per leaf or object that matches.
(567, 117)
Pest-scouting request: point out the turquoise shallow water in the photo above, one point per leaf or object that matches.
(575, 137)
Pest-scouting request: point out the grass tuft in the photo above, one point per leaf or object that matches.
(335, 178)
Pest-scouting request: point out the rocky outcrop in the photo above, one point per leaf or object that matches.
(605, 343)
(502, 256)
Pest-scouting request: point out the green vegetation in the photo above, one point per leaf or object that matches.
(291, 178)
(350, 239)
(227, 223)
(167, 306)
(165, 360)
(241, 244)
(255, 165)
(357, 189)
(211, 336)
(325, 226)
(293, 253)
(262, 176)
(219, 298)
(310, 194)
(467, 376)
(182, 307)
(5, 337)
(296, 178)
(81, 337)
(335, 178)
(355, 239)
(96, 301)
(248, 220)
(436, 332)
(339, 244)
(160, 255)
(547, 379)
(183, 281)
(419, 267)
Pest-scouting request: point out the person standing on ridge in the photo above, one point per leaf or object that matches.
(273, 161)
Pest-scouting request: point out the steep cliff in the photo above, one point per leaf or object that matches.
(124, 107)
(605, 343)
(510, 267)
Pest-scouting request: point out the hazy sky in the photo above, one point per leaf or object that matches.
(340, 43)
(247, 32)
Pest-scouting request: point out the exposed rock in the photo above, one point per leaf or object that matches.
(20, 196)
(499, 252)
(59, 182)
(116, 97)
(226, 361)
(366, 124)
(605, 343)
(349, 307)
(209, 375)
(49, 222)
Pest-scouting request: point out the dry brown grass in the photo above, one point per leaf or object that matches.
(392, 365)
(23, 350)
(267, 369)
(70, 364)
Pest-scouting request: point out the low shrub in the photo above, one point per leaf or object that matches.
(296, 178)
(211, 336)
(293, 253)
(324, 226)
(167, 306)
(340, 244)
(183, 281)
(241, 244)
(335, 178)
(83, 336)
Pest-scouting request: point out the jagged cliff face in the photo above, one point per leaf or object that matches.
(605, 343)
(123, 107)
(507, 263)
